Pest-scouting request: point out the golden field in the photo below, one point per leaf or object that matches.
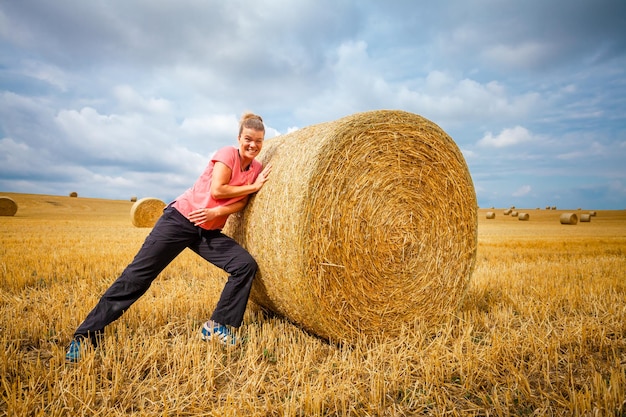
(541, 331)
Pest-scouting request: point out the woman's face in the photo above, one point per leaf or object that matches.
(250, 143)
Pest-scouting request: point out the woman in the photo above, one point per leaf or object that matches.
(194, 220)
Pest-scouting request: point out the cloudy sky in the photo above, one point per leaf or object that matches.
(115, 98)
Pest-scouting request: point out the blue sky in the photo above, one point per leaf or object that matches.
(115, 98)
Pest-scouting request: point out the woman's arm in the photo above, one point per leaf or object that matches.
(221, 189)
(204, 215)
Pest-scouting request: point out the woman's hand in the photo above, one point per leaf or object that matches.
(200, 216)
(260, 180)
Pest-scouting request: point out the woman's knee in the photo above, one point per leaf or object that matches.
(251, 264)
(246, 266)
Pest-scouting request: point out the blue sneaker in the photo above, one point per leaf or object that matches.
(224, 336)
(73, 352)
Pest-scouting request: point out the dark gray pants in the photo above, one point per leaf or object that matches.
(170, 236)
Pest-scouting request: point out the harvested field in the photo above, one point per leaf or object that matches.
(540, 331)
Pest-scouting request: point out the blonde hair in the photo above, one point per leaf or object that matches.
(251, 121)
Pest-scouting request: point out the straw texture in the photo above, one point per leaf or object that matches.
(146, 211)
(568, 218)
(8, 206)
(367, 224)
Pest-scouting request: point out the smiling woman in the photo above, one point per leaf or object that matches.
(193, 221)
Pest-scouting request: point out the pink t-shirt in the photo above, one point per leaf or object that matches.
(199, 195)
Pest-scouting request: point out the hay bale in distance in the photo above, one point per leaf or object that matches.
(523, 216)
(8, 206)
(514, 213)
(491, 215)
(133, 199)
(339, 232)
(146, 212)
(507, 212)
(593, 213)
(585, 217)
(73, 194)
(569, 218)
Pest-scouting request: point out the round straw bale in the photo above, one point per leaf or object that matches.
(8, 206)
(133, 199)
(514, 214)
(146, 212)
(523, 216)
(73, 194)
(491, 215)
(367, 224)
(585, 218)
(507, 212)
(569, 218)
(592, 213)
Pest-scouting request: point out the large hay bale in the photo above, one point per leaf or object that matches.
(73, 194)
(491, 215)
(569, 218)
(8, 207)
(585, 218)
(146, 212)
(367, 224)
(523, 216)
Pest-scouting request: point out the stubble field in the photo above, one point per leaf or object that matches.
(541, 331)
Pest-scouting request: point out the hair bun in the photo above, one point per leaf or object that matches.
(251, 121)
(249, 115)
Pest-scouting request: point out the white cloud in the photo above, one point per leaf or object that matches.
(584, 151)
(507, 137)
(522, 191)
(130, 100)
(225, 124)
(50, 74)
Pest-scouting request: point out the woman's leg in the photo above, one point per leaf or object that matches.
(170, 236)
(224, 252)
